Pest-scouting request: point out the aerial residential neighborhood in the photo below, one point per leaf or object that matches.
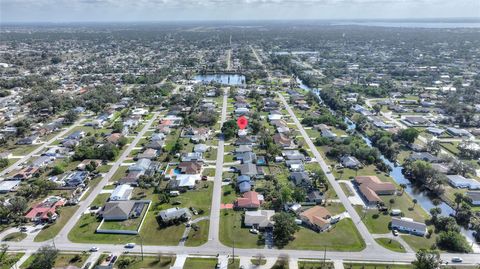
(239, 145)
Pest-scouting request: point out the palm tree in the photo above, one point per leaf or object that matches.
(459, 198)
(392, 201)
(124, 263)
(403, 186)
(414, 203)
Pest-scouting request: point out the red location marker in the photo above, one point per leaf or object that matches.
(242, 122)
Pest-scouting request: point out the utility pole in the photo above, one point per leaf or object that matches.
(141, 245)
(324, 257)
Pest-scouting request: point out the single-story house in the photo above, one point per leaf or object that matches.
(259, 219)
(474, 196)
(121, 193)
(140, 165)
(46, 210)
(350, 162)
(458, 181)
(249, 200)
(149, 153)
(190, 167)
(409, 225)
(300, 178)
(316, 218)
(371, 187)
(315, 196)
(123, 210)
(174, 214)
(73, 179)
(424, 156)
(9, 185)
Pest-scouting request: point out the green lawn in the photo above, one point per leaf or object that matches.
(50, 231)
(21, 150)
(129, 225)
(391, 244)
(199, 237)
(231, 230)
(346, 189)
(148, 262)
(14, 237)
(11, 259)
(62, 260)
(211, 154)
(233, 264)
(343, 236)
(199, 263)
(209, 172)
(151, 232)
(315, 265)
(228, 194)
(120, 173)
(376, 266)
(418, 242)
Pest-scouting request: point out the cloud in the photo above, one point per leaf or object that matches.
(119, 10)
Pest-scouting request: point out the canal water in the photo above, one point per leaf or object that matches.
(396, 172)
(226, 79)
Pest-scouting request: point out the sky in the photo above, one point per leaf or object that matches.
(179, 10)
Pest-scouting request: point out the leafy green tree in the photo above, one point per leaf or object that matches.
(3, 163)
(44, 258)
(117, 127)
(229, 129)
(284, 228)
(408, 135)
(453, 241)
(57, 170)
(427, 259)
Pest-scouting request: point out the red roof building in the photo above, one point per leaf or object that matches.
(249, 201)
(46, 210)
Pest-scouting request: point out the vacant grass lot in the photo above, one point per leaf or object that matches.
(231, 229)
(228, 194)
(315, 265)
(391, 244)
(62, 260)
(149, 262)
(199, 237)
(200, 263)
(50, 231)
(342, 237)
(418, 242)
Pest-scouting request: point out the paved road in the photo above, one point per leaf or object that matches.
(38, 150)
(229, 59)
(62, 237)
(213, 232)
(369, 240)
(261, 63)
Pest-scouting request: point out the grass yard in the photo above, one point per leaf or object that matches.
(346, 189)
(418, 242)
(14, 237)
(120, 173)
(50, 231)
(151, 232)
(21, 150)
(11, 259)
(376, 266)
(228, 158)
(315, 265)
(128, 225)
(228, 194)
(200, 263)
(209, 172)
(231, 229)
(211, 154)
(62, 260)
(149, 262)
(451, 147)
(233, 263)
(199, 237)
(343, 236)
(391, 244)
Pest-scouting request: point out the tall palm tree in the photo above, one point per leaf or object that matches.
(414, 203)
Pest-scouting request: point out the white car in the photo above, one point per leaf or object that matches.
(457, 259)
(254, 231)
(93, 249)
(130, 245)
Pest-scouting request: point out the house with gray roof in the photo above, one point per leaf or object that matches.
(409, 226)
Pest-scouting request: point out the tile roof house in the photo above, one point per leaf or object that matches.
(259, 219)
(249, 200)
(317, 218)
(283, 141)
(410, 226)
(114, 138)
(190, 167)
(371, 187)
(46, 210)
